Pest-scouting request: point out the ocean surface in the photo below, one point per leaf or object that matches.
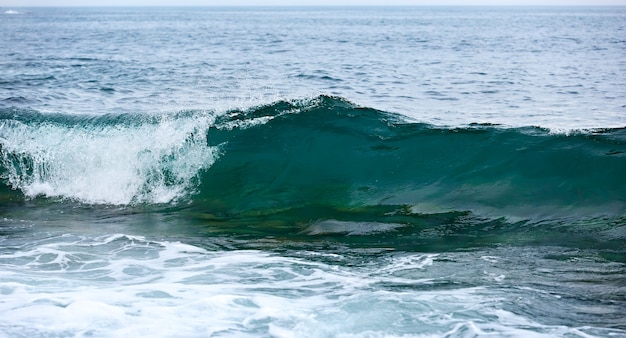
(313, 172)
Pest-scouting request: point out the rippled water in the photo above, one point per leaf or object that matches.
(148, 288)
(313, 172)
(553, 67)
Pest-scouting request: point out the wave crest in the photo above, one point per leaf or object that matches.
(325, 154)
(104, 160)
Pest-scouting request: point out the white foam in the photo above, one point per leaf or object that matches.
(121, 286)
(153, 162)
(410, 261)
(245, 123)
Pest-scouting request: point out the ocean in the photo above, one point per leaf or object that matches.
(313, 172)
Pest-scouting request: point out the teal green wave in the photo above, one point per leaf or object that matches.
(327, 167)
(330, 153)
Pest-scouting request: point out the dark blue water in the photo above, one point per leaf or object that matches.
(313, 172)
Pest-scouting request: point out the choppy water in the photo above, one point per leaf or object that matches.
(321, 172)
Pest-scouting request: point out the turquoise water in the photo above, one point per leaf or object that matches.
(312, 172)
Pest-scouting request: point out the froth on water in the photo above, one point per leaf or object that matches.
(122, 285)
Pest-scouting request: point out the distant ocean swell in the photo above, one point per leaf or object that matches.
(323, 157)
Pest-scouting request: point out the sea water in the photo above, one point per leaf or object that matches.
(313, 172)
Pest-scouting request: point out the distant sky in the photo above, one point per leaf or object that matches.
(26, 3)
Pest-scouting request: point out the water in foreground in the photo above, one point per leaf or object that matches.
(313, 172)
(308, 218)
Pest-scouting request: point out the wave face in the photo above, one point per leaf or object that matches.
(334, 154)
(318, 158)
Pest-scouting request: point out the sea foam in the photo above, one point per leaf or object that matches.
(106, 160)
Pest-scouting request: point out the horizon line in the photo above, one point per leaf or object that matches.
(326, 5)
